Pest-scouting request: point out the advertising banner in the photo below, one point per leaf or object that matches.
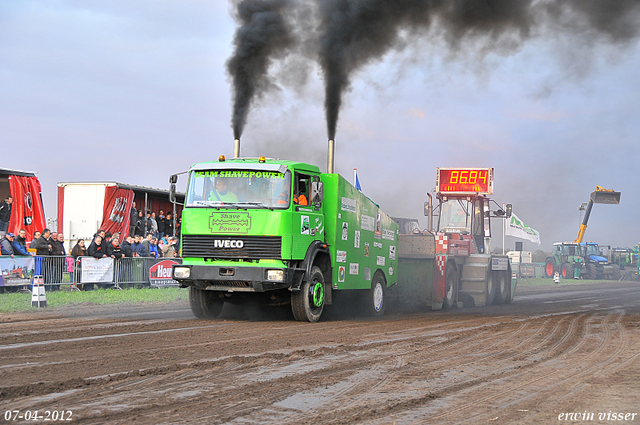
(116, 213)
(27, 212)
(516, 228)
(160, 274)
(96, 270)
(16, 271)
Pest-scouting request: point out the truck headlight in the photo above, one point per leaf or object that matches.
(181, 272)
(275, 275)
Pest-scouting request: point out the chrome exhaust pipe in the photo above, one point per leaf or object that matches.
(236, 148)
(331, 156)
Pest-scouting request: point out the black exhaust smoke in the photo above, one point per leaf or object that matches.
(345, 35)
(263, 34)
(357, 32)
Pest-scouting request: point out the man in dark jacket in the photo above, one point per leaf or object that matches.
(133, 216)
(114, 250)
(61, 243)
(161, 223)
(42, 245)
(20, 243)
(96, 249)
(140, 224)
(126, 247)
(6, 244)
(168, 225)
(5, 214)
(138, 248)
(56, 247)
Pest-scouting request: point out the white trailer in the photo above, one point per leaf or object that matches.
(81, 206)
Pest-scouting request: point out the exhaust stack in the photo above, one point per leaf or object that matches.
(331, 156)
(236, 148)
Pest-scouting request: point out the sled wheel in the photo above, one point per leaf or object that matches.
(450, 288)
(501, 279)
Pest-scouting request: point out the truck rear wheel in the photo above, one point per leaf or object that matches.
(450, 288)
(376, 300)
(307, 303)
(205, 304)
(501, 279)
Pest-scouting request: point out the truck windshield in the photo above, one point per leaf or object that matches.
(455, 216)
(238, 189)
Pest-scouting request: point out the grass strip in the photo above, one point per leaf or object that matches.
(10, 302)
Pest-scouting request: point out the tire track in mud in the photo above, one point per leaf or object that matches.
(251, 387)
(157, 353)
(447, 344)
(356, 390)
(602, 369)
(339, 415)
(336, 374)
(558, 377)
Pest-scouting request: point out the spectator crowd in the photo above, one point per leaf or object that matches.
(150, 235)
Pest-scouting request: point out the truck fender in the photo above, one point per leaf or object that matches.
(304, 269)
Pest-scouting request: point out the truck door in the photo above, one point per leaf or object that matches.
(307, 218)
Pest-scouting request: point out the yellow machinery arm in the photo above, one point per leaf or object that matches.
(600, 196)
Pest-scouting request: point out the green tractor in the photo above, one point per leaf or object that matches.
(566, 259)
(625, 258)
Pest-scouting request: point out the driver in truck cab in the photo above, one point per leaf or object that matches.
(222, 193)
(299, 198)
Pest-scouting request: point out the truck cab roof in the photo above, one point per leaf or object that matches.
(279, 165)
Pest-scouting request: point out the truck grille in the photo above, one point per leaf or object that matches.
(245, 247)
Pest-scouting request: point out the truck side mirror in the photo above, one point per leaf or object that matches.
(172, 192)
(509, 210)
(173, 179)
(316, 192)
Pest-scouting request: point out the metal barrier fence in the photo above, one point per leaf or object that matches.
(56, 271)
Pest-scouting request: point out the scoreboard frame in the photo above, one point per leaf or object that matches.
(464, 181)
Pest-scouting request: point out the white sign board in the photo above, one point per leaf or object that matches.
(96, 270)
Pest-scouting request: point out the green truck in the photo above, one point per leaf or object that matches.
(281, 232)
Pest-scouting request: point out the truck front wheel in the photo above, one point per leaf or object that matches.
(307, 303)
(205, 304)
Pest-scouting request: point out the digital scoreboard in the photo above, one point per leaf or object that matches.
(465, 181)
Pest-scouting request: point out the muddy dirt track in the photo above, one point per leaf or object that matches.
(556, 349)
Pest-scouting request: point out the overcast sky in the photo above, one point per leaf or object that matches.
(135, 91)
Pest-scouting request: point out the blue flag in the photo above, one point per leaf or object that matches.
(358, 183)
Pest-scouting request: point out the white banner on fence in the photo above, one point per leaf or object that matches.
(516, 228)
(96, 270)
